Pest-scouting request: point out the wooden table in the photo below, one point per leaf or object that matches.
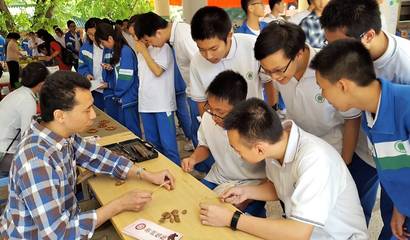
(188, 193)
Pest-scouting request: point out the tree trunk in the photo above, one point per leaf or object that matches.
(11, 26)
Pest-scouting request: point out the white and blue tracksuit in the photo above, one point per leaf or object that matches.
(85, 67)
(2, 49)
(123, 80)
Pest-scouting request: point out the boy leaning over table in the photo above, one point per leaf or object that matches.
(42, 202)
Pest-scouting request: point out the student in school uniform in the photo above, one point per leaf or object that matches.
(254, 10)
(277, 7)
(73, 39)
(90, 60)
(390, 55)
(156, 97)
(225, 91)
(2, 49)
(219, 50)
(178, 35)
(121, 72)
(285, 57)
(304, 172)
(385, 118)
(24, 45)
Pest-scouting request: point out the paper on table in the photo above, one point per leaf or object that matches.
(147, 230)
(95, 84)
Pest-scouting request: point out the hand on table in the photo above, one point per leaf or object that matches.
(158, 178)
(215, 215)
(188, 164)
(397, 225)
(134, 200)
(235, 195)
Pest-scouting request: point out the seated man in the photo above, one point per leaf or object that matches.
(305, 172)
(225, 91)
(42, 202)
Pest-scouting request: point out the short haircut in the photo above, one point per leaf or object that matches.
(119, 22)
(57, 29)
(155, 21)
(230, 86)
(280, 36)
(345, 58)
(55, 26)
(355, 16)
(13, 35)
(58, 92)
(273, 2)
(255, 121)
(70, 22)
(244, 5)
(33, 74)
(210, 22)
(126, 20)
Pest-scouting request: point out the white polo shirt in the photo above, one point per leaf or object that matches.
(239, 59)
(228, 165)
(157, 94)
(317, 188)
(311, 111)
(185, 48)
(16, 111)
(393, 65)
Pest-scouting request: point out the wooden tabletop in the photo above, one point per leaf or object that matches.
(187, 195)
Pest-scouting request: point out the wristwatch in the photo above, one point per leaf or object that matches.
(235, 219)
(140, 170)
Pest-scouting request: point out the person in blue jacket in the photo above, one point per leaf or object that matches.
(254, 10)
(121, 75)
(73, 40)
(2, 49)
(24, 45)
(90, 60)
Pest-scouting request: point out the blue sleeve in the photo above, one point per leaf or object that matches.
(126, 72)
(84, 61)
(68, 43)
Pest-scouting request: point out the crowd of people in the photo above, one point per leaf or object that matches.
(311, 111)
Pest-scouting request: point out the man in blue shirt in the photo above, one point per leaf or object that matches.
(345, 72)
(42, 202)
(254, 10)
(73, 40)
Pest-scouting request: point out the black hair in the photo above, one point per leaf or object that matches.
(108, 21)
(273, 2)
(355, 17)
(309, 2)
(58, 93)
(91, 23)
(119, 22)
(70, 22)
(280, 36)
(230, 86)
(345, 58)
(141, 27)
(255, 121)
(33, 74)
(125, 20)
(244, 5)
(47, 38)
(103, 32)
(57, 29)
(55, 26)
(13, 35)
(209, 22)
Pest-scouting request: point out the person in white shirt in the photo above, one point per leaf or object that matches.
(277, 8)
(19, 106)
(33, 43)
(299, 16)
(219, 50)
(225, 91)
(156, 97)
(59, 37)
(177, 35)
(391, 56)
(305, 172)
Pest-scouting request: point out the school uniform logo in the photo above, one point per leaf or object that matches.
(249, 75)
(319, 98)
(399, 146)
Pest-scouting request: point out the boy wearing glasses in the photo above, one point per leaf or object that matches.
(254, 10)
(285, 57)
(219, 50)
(225, 91)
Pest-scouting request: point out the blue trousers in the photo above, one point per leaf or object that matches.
(183, 114)
(111, 108)
(98, 100)
(159, 129)
(255, 208)
(367, 182)
(128, 117)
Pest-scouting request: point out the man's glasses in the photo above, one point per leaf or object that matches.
(276, 72)
(208, 110)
